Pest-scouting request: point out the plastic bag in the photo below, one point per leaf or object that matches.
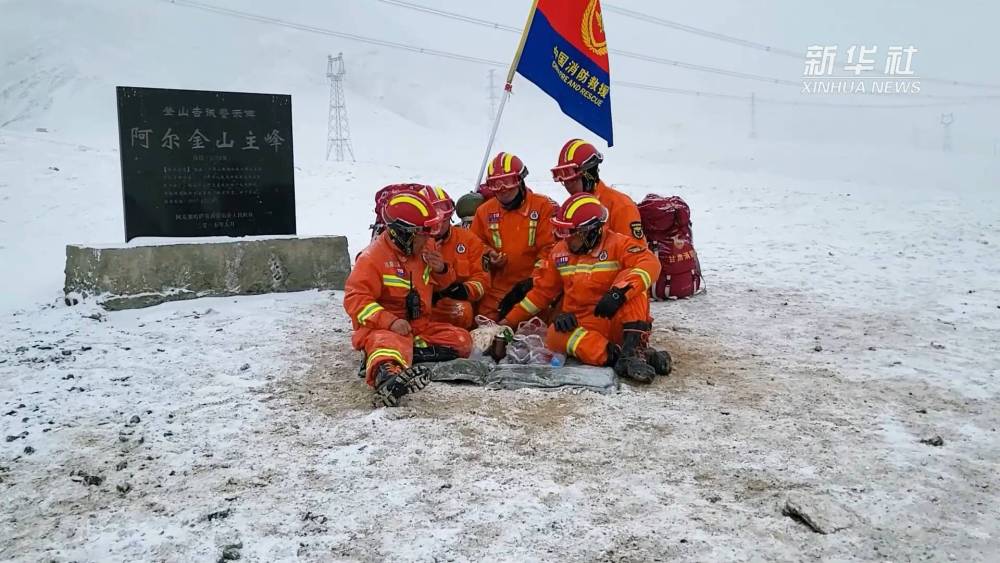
(482, 337)
(534, 326)
(490, 338)
(528, 345)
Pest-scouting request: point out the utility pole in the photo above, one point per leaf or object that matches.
(338, 131)
(493, 94)
(753, 115)
(946, 120)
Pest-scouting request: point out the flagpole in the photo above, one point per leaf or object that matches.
(506, 92)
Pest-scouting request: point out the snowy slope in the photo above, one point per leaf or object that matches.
(852, 310)
(414, 118)
(813, 366)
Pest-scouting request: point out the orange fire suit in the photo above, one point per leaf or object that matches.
(617, 261)
(623, 214)
(463, 252)
(525, 235)
(375, 296)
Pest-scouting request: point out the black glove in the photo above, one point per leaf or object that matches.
(412, 305)
(565, 322)
(611, 302)
(435, 297)
(514, 296)
(457, 291)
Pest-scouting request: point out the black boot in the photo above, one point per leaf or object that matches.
(392, 382)
(660, 360)
(614, 352)
(363, 370)
(632, 362)
(434, 354)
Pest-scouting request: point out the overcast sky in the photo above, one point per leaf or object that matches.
(70, 51)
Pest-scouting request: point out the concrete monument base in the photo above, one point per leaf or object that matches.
(141, 276)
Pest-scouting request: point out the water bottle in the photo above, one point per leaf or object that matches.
(557, 360)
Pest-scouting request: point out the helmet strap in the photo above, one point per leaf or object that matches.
(518, 199)
(590, 241)
(402, 239)
(590, 179)
(593, 238)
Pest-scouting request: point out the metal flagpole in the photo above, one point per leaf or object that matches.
(506, 94)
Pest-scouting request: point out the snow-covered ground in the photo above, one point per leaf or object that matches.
(843, 324)
(852, 311)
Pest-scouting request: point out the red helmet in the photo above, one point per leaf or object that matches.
(408, 214)
(580, 213)
(576, 157)
(504, 172)
(381, 197)
(441, 201)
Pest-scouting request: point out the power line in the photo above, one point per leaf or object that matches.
(477, 60)
(702, 68)
(804, 103)
(682, 91)
(411, 48)
(822, 104)
(664, 61)
(950, 82)
(452, 15)
(698, 31)
(332, 33)
(759, 46)
(617, 52)
(680, 27)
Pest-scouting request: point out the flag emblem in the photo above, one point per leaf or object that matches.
(565, 53)
(592, 29)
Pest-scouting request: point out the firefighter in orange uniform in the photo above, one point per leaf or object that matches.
(516, 228)
(463, 252)
(604, 277)
(577, 171)
(388, 297)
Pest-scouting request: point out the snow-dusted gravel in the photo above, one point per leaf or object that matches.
(837, 333)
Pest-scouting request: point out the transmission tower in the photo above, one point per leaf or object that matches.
(493, 95)
(946, 120)
(338, 132)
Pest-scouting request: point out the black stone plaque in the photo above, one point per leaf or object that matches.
(198, 163)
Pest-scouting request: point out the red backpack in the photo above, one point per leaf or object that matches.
(667, 224)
